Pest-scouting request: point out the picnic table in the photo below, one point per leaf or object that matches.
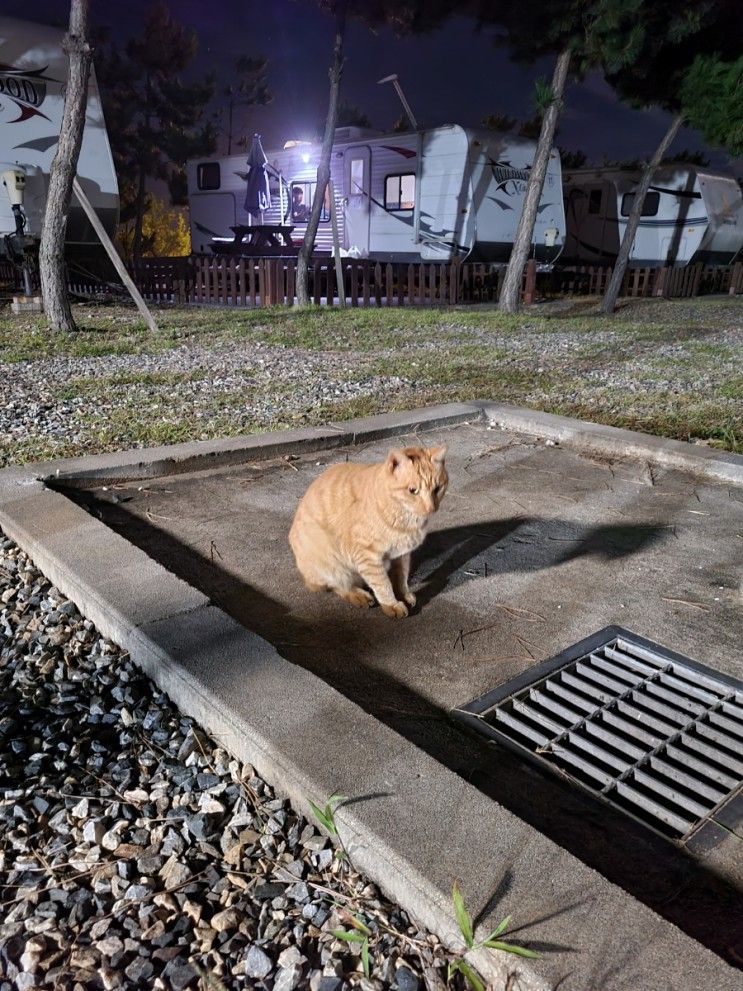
(258, 239)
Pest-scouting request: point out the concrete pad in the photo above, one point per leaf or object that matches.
(111, 583)
(595, 438)
(534, 548)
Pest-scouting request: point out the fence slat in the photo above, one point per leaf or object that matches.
(233, 281)
(378, 284)
(388, 289)
(330, 282)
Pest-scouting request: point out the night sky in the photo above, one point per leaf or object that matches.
(454, 75)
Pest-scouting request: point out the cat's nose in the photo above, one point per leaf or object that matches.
(429, 504)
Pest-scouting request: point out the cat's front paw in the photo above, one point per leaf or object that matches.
(398, 610)
(360, 598)
(410, 599)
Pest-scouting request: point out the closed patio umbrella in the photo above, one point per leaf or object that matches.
(258, 194)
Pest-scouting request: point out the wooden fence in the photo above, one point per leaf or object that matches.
(230, 281)
(669, 283)
(253, 282)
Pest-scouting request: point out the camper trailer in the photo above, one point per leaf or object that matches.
(432, 195)
(33, 71)
(689, 216)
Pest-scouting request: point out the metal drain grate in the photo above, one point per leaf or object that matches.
(643, 728)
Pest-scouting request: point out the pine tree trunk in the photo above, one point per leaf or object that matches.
(323, 169)
(62, 172)
(609, 302)
(511, 293)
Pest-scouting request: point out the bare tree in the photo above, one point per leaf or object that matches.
(62, 173)
(323, 168)
(609, 302)
(511, 292)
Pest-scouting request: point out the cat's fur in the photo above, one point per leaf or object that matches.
(357, 524)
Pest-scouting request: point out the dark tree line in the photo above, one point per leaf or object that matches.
(158, 118)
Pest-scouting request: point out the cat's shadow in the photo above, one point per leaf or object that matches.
(454, 555)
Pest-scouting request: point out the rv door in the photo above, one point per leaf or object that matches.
(357, 161)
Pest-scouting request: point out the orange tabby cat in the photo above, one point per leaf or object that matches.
(357, 524)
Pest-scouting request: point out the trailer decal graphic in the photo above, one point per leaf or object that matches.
(681, 193)
(504, 172)
(39, 144)
(205, 230)
(501, 203)
(405, 152)
(684, 222)
(26, 88)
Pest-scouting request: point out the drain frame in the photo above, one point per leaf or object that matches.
(711, 827)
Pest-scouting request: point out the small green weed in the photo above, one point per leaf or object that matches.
(326, 816)
(492, 942)
(360, 934)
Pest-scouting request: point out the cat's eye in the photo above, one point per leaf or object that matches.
(437, 490)
(413, 491)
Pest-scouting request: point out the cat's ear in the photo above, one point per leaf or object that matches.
(437, 454)
(395, 459)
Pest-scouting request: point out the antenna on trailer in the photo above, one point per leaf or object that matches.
(406, 106)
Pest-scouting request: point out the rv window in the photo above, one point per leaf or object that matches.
(399, 192)
(302, 195)
(208, 176)
(357, 176)
(594, 201)
(649, 207)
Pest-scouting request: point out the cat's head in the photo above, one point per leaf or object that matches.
(417, 478)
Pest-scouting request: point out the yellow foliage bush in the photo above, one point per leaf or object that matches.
(165, 231)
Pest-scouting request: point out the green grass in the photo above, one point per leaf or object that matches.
(565, 358)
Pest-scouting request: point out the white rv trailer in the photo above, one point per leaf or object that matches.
(33, 72)
(690, 215)
(432, 195)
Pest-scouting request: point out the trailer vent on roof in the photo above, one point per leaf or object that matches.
(644, 729)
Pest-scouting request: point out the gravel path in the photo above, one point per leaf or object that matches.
(50, 399)
(667, 366)
(135, 853)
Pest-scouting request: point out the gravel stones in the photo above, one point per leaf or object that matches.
(257, 963)
(136, 853)
(72, 401)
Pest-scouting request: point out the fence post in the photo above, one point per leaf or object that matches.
(530, 288)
